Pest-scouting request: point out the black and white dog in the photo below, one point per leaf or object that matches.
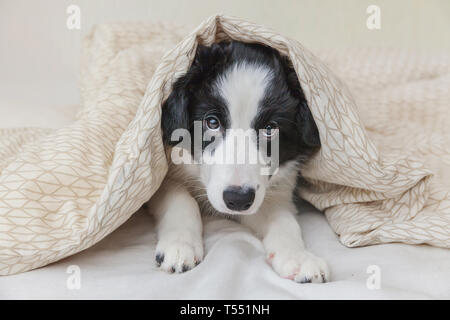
(236, 86)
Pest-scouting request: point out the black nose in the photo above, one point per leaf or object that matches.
(238, 198)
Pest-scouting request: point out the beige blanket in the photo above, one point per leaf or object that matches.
(380, 178)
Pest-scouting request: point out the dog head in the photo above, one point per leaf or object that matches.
(234, 90)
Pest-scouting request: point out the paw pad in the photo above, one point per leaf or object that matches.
(185, 268)
(178, 255)
(159, 258)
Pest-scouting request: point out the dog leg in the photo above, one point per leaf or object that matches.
(282, 239)
(179, 228)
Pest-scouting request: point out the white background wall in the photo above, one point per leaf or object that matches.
(39, 56)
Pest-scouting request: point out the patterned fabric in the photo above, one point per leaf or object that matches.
(403, 98)
(61, 191)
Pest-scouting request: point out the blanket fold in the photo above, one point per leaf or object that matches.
(382, 174)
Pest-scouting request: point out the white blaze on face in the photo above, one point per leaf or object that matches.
(242, 87)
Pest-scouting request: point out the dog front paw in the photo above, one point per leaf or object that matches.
(178, 253)
(302, 267)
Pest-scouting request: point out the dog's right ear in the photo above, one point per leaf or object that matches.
(175, 113)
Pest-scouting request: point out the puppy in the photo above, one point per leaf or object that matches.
(236, 87)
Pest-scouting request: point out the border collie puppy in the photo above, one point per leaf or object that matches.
(236, 87)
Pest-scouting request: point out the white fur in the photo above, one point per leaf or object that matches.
(243, 86)
(179, 226)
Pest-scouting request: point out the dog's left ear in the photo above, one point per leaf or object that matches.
(307, 126)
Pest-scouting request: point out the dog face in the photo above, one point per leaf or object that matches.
(244, 100)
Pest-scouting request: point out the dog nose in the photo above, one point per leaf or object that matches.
(238, 198)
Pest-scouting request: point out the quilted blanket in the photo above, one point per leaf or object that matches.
(382, 174)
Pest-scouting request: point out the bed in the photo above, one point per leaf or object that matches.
(122, 266)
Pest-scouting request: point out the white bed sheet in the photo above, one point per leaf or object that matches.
(122, 265)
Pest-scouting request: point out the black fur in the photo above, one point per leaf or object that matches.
(194, 96)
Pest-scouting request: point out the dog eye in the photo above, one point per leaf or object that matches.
(270, 130)
(212, 123)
